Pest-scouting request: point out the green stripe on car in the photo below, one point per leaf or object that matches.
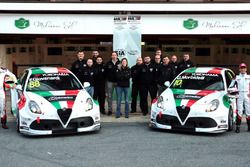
(178, 92)
(37, 71)
(56, 104)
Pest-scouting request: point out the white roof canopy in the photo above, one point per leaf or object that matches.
(139, 7)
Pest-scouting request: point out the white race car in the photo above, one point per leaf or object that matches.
(197, 101)
(52, 100)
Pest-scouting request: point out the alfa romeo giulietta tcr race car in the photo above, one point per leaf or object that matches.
(52, 100)
(198, 101)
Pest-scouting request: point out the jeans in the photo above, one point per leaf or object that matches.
(110, 88)
(90, 90)
(120, 91)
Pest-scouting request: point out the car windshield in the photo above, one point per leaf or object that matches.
(52, 82)
(198, 81)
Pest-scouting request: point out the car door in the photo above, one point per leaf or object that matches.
(229, 75)
(17, 93)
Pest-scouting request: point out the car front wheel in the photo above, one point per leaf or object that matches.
(230, 120)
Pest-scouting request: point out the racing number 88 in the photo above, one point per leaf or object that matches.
(34, 84)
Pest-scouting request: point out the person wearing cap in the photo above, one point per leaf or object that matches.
(242, 82)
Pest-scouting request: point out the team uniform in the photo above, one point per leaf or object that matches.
(88, 76)
(99, 86)
(110, 73)
(242, 82)
(5, 75)
(78, 67)
(166, 73)
(135, 86)
(147, 82)
(183, 65)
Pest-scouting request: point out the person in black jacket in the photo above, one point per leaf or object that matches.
(123, 75)
(165, 74)
(88, 76)
(95, 54)
(135, 83)
(157, 65)
(146, 76)
(78, 66)
(174, 63)
(110, 72)
(99, 83)
(184, 64)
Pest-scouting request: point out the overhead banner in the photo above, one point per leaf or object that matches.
(127, 37)
(100, 24)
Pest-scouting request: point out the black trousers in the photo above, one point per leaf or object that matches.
(134, 95)
(144, 89)
(99, 94)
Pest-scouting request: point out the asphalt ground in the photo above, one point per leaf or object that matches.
(125, 144)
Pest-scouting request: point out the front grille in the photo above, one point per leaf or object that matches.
(191, 123)
(64, 114)
(183, 112)
(57, 127)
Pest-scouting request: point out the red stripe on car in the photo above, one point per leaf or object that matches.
(70, 93)
(62, 70)
(200, 93)
(216, 70)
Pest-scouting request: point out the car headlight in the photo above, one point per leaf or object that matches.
(213, 105)
(160, 102)
(89, 104)
(34, 107)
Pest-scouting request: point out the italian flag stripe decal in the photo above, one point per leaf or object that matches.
(71, 92)
(178, 91)
(37, 71)
(200, 93)
(56, 104)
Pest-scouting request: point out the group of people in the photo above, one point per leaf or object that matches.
(148, 76)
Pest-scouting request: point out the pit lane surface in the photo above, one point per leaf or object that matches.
(125, 144)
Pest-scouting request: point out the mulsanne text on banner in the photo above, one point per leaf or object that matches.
(127, 37)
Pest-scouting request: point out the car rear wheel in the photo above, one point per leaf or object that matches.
(230, 120)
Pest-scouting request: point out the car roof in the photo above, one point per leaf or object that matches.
(211, 70)
(44, 70)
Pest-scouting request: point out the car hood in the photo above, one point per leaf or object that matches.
(58, 99)
(187, 97)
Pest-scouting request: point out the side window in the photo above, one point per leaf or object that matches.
(229, 77)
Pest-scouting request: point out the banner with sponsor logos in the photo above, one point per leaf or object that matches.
(127, 37)
(104, 24)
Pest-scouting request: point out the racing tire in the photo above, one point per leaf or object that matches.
(230, 120)
(17, 122)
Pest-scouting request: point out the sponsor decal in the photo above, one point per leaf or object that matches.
(60, 98)
(187, 96)
(121, 53)
(22, 23)
(190, 24)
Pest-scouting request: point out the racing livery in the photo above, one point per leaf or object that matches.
(52, 100)
(197, 100)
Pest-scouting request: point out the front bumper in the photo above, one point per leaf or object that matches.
(50, 126)
(192, 124)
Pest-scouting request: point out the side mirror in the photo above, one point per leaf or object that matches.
(86, 84)
(233, 92)
(167, 84)
(19, 87)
